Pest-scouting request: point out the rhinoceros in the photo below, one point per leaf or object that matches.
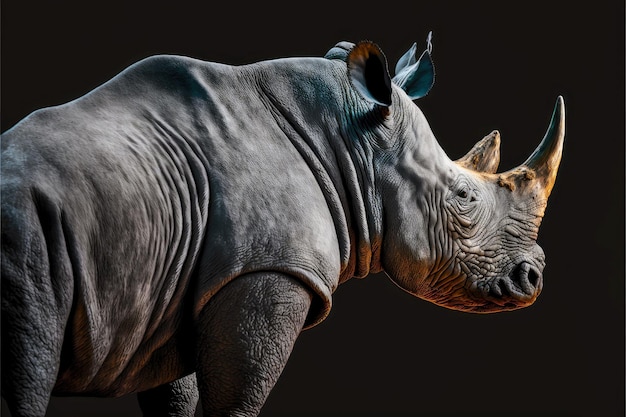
(181, 224)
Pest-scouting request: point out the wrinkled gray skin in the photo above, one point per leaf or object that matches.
(188, 219)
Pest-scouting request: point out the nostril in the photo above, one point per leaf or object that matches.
(526, 278)
(534, 276)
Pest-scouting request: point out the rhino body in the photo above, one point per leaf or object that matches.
(190, 218)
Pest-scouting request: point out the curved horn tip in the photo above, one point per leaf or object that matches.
(559, 111)
(560, 105)
(559, 117)
(553, 137)
(546, 158)
(557, 124)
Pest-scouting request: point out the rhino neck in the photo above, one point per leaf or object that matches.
(414, 176)
(317, 128)
(357, 144)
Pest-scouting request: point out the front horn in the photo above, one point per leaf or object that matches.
(545, 160)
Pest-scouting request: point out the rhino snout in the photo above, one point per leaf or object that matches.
(520, 288)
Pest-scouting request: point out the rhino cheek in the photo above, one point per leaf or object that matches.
(417, 253)
(402, 261)
(405, 242)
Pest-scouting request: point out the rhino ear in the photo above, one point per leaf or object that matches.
(407, 59)
(367, 67)
(416, 79)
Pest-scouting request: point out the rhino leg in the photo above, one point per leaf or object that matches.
(30, 355)
(245, 335)
(37, 291)
(176, 399)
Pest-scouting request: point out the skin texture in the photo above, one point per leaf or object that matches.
(191, 217)
(236, 371)
(176, 399)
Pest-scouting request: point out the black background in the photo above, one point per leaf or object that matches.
(500, 65)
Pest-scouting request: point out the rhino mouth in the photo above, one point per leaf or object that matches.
(518, 289)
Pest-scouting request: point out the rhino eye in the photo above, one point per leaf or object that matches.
(463, 192)
(466, 194)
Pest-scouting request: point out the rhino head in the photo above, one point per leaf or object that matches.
(455, 233)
